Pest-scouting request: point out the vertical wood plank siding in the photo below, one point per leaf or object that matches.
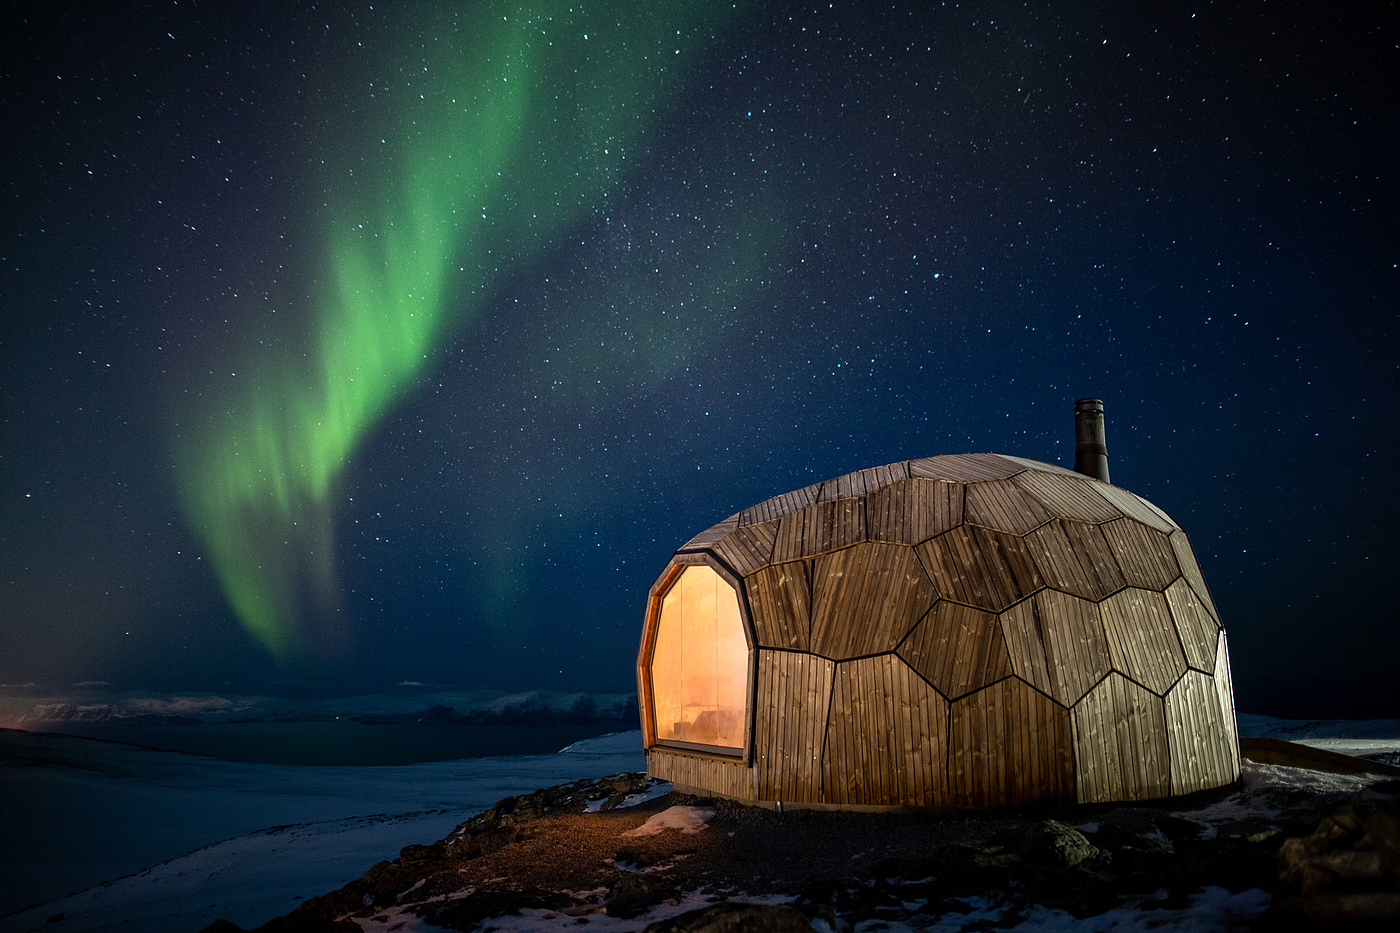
(1010, 745)
(958, 649)
(794, 693)
(1120, 743)
(1225, 690)
(913, 510)
(1202, 754)
(1057, 643)
(1145, 556)
(1075, 557)
(1192, 572)
(728, 777)
(866, 598)
(886, 739)
(780, 599)
(979, 567)
(1142, 639)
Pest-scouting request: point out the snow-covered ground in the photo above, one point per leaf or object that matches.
(1345, 736)
(156, 841)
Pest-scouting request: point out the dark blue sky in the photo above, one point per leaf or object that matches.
(721, 259)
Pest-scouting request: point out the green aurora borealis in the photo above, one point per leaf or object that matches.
(350, 345)
(496, 136)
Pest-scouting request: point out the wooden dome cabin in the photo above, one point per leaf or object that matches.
(972, 630)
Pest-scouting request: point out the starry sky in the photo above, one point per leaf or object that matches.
(349, 344)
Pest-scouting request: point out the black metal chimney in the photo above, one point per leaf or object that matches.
(1090, 451)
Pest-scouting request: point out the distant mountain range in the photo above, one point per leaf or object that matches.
(475, 707)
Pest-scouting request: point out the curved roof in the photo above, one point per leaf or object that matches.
(1009, 494)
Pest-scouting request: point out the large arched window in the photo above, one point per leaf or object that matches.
(700, 663)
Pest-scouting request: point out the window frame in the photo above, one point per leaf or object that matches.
(645, 692)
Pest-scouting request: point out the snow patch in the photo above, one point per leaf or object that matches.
(689, 820)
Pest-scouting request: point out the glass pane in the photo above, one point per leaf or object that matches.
(700, 665)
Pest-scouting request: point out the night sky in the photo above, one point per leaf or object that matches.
(349, 344)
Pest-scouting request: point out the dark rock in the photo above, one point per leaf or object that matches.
(1382, 835)
(1339, 825)
(419, 853)
(635, 858)
(728, 917)
(218, 926)
(381, 884)
(1051, 842)
(1351, 863)
(631, 895)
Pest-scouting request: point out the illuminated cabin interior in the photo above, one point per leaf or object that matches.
(698, 667)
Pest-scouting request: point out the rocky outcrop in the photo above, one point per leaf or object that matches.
(1347, 868)
(569, 851)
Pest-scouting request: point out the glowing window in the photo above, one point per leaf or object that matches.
(700, 665)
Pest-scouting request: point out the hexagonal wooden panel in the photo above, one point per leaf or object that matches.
(779, 506)
(780, 598)
(747, 547)
(1142, 639)
(1144, 555)
(1195, 626)
(1186, 559)
(957, 649)
(866, 598)
(863, 482)
(964, 468)
(913, 510)
(1009, 745)
(1120, 743)
(1057, 643)
(887, 737)
(979, 567)
(1001, 505)
(1066, 494)
(818, 528)
(1075, 557)
(1135, 506)
(1200, 735)
(712, 534)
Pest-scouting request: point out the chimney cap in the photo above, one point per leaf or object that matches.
(1090, 448)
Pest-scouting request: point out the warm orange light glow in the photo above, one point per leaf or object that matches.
(699, 668)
